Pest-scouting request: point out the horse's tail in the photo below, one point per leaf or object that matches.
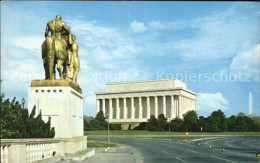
(50, 54)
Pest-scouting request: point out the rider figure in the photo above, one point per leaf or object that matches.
(56, 27)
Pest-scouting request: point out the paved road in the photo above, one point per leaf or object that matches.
(236, 149)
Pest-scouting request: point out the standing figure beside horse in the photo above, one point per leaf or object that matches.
(56, 50)
(73, 60)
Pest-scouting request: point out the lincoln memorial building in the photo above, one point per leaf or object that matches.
(130, 103)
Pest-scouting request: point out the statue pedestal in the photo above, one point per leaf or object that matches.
(62, 101)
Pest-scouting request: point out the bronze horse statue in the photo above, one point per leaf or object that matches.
(60, 49)
(55, 47)
(55, 52)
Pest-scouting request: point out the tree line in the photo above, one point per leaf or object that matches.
(17, 123)
(216, 122)
(99, 123)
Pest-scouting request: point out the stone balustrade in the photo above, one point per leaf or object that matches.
(33, 150)
(4, 153)
(40, 151)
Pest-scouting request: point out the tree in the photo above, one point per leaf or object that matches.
(190, 119)
(219, 120)
(16, 123)
(203, 124)
(37, 128)
(240, 114)
(94, 125)
(212, 125)
(141, 126)
(86, 124)
(249, 123)
(256, 126)
(162, 123)
(241, 124)
(7, 118)
(232, 123)
(102, 120)
(152, 124)
(115, 127)
(176, 124)
(47, 132)
(86, 121)
(98, 123)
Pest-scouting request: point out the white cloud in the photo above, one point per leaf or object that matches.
(21, 63)
(169, 25)
(90, 103)
(32, 43)
(247, 62)
(137, 26)
(18, 74)
(209, 102)
(214, 36)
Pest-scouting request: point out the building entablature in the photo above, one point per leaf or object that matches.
(179, 92)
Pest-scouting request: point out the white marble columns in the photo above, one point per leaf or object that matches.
(110, 109)
(172, 106)
(125, 109)
(132, 108)
(140, 108)
(117, 109)
(104, 106)
(148, 107)
(164, 105)
(156, 107)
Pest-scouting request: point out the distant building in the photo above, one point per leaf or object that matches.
(130, 103)
(250, 104)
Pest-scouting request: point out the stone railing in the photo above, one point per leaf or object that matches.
(40, 151)
(28, 150)
(32, 150)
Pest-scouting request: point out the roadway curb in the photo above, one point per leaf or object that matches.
(205, 139)
(50, 160)
(80, 156)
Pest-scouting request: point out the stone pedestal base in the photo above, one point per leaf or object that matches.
(72, 145)
(129, 125)
(63, 102)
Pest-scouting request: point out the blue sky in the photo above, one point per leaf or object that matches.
(213, 46)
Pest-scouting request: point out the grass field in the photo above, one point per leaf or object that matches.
(102, 144)
(184, 138)
(145, 133)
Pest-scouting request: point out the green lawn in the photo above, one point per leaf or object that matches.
(183, 138)
(102, 144)
(145, 133)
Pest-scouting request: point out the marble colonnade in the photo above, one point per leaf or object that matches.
(143, 107)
